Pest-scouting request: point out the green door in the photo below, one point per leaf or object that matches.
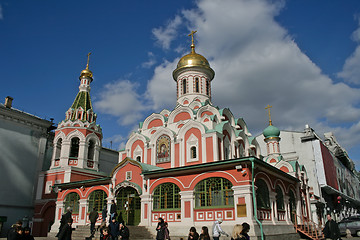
(128, 206)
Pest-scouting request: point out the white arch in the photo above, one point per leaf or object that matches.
(179, 110)
(151, 118)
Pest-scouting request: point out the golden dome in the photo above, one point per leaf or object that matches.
(86, 72)
(193, 60)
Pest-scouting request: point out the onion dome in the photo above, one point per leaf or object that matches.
(191, 60)
(271, 131)
(86, 72)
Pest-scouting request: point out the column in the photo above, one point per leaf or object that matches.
(82, 157)
(83, 206)
(287, 209)
(272, 196)
(243, 196)
(58, 213)
(146, 210)
(187, 206)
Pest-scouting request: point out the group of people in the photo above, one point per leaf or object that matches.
(18, 232)
(240, 231)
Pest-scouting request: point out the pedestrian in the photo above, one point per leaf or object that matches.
(166, 231)
(160, 233)
(27, 235)
(236, 233)
(104, 213)
(217, 230)
(114, 228)
(17, 234)
(193, 235)
(66, 230)
(102, 227)
(12, 233)
(204, 233)
(112, 209)
(64, 219)
(105, 234)
(124, 233)
(245, 230)
(93, 216)
(331, 229)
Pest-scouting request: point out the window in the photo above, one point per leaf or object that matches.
(167, 196)
(128, 175)
(262, 194)
(184, 86)
(197, 85)
(207, 88)
(214, 192)
(193, 152)
(138, 158)
(279, 198)
(97, 200)
(91, 150)
(48, 187)
(72, 200)
(58, 149)
(74, 147)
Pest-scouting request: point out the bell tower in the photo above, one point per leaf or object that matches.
(193, 76)
(78, 138)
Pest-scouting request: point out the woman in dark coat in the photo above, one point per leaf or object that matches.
(160, 235)
(193, 235)
(204, 233)
(66, 231)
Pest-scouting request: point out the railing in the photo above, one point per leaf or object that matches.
(308, 227)
(281, 215)
(264, 214)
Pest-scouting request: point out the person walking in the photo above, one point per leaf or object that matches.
(112, 210)
(160, 233)
(12, 233)
(236, 233)
(193, 235)
(93, 216)
(114, 228)
(106, 234)
(124, 233)
(64, 219)
(217, 230)
(204, 233)
(66, 230)
(27, 235)
(166, 231)
(331, 229)
(245, 230)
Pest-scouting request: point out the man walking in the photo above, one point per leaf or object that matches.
(93, 216)
(217, 230)
(331, 229)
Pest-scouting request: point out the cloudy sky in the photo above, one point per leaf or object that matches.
(300, 56)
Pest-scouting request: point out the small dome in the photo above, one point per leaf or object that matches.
(86, 73)
(271, 131)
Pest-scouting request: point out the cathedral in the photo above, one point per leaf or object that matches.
(190, 165)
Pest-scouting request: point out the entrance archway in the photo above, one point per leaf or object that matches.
(128, 205)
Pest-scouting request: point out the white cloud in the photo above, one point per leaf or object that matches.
(165, 35)
(121, 99)
(257, 63)
(151, 61)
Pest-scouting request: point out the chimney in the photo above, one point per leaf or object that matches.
(8, 101)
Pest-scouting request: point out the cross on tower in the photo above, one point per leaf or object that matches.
(87, 65)
(268, 108)
(192, 36)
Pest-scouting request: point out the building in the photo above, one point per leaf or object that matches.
(190, 166)
(332, 178)
(26, 147)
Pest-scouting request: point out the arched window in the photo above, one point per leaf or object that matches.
(91, 150)
(214, 192)
(97, 200)
(72, 200)
(74, 147)
(207, 88)
(138, 158)
(197, 85)
(193, 152)
(58, 149)
(167, 196)
(184, 86)
(292, 203)
(262, 194)
(279, 198)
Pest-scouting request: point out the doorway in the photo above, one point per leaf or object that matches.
(128, 206)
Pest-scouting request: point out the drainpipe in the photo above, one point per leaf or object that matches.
(254, 199)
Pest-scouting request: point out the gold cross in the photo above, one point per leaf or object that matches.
(87, 65)
(192, 36)
(268, 107)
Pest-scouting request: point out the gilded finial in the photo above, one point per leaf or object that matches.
(87, 65)
(268, 108)
(192, 41)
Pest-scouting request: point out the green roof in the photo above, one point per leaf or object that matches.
(82, 100)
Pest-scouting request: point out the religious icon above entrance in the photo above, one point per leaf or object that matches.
(163, 149)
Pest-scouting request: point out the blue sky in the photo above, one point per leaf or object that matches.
(300, 56)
